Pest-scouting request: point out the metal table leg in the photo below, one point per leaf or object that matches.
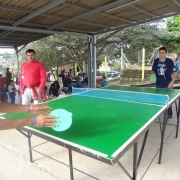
(29, 143)
(71, 164)
(162, 135)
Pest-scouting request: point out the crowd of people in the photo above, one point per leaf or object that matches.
(8, 88)
(69, 80)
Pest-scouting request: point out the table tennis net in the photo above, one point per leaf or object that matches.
(122, 95)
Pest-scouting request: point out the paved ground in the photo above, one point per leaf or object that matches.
(14, 159)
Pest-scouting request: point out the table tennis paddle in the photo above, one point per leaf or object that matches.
(64, 117)
(152, 78)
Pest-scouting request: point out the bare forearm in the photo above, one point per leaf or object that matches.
(15, 123)
(174, 77)
(11, 108)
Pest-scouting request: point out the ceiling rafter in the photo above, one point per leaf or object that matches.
(96, 10)
(143, 10)
(38, 12)
(51, 15)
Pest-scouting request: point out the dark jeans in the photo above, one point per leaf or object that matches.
(12, 97)
(2, 94)
(170, 112)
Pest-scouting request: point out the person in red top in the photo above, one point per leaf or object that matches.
(2, 84)
(32, 79)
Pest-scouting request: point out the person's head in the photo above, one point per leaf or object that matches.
(30, 55)
(104, 78)
(11, 82)
(7, 69)
(176, 59)
(85, 75)
(162, 52)
(56, 82)
(0, 75)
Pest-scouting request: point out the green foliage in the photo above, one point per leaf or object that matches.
(116, 66)
(6, 55)
(57, 50)
(171, 39)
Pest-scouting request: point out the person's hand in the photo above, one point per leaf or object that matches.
(40, 109)
(46, 121)
(171, 84)
(39, 90)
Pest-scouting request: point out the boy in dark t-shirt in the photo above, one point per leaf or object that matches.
(165, 72)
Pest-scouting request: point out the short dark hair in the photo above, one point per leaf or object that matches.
(104, 77)
(1, 75)
(163, 48)
(30, 51)
(11, 81)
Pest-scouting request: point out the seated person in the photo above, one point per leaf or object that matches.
(78, 80)
(104, 82)
(68, 83)
(85, 80)
(54, 89)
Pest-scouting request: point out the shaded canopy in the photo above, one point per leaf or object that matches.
(22, 22)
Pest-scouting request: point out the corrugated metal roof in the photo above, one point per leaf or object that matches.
(41, 17)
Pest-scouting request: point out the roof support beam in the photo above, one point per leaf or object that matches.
(46, 26)
(5, 34)
(38, 12)
(143, 10)
(101, 13)
(41, 31)
(97, 10)
(177, 2)
(54, 16)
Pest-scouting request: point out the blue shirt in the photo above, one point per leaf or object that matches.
(104, 83)
(163, 70)
(177, 65)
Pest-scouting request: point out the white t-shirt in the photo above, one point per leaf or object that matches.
(11, 88)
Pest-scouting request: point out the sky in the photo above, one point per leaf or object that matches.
(8, 50)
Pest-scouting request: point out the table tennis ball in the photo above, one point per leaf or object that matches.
(70, 113)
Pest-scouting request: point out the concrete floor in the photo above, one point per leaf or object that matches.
(15, 165)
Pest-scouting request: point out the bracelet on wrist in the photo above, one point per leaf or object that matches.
(35, 121)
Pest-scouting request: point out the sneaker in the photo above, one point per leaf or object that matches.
(170, 117)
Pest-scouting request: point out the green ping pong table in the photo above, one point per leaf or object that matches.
(108, 122)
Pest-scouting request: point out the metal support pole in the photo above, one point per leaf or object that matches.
(177, 111)
(94, 61)
(71, 164)
(89, 51)
(29, 143)
(162, 135)
(17, 57)
(135, 161)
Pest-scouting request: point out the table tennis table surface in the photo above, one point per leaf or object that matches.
(102, 125)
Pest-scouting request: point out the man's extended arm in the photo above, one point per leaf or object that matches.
(11, 108)
(42, 121)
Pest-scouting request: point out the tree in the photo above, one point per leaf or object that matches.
(171, 38)
(57, 50)
(7, 56)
